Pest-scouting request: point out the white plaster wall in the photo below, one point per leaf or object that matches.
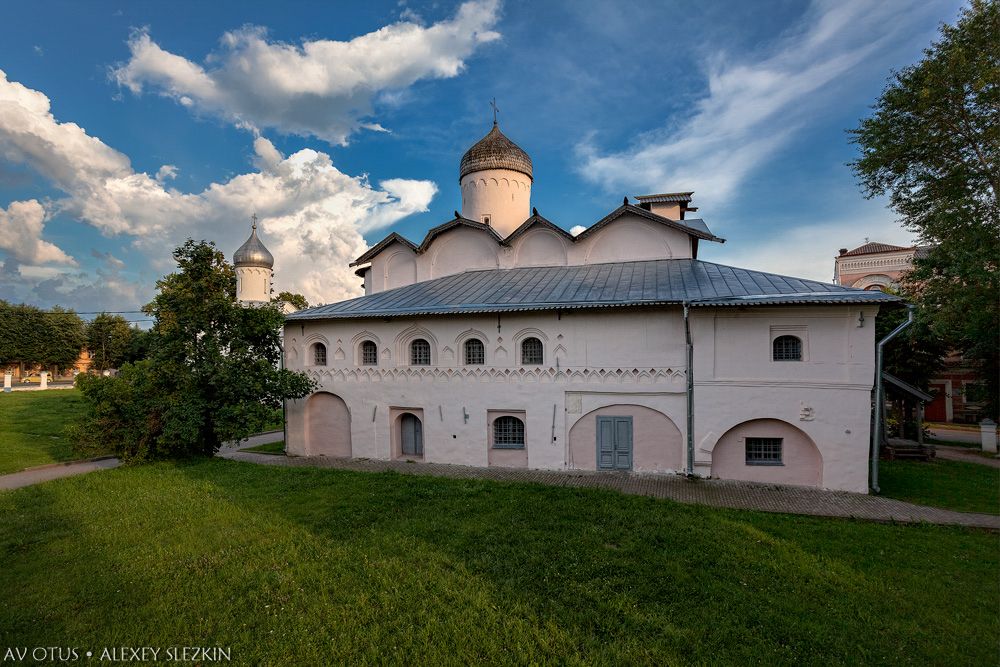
(502, 194)
(253, 283)
(629, 238)
(593, 360)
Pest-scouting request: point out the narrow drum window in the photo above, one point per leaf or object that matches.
(420, 353)
(531, 351)
(786, 348)
(319, 354)
(763, 452)
(475, 352)
(508, 433)
(369, 353)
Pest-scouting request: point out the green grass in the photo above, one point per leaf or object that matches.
(954, 485)
(32, 427)
(277, 447)
(313, 566)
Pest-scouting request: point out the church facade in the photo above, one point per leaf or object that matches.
(502, 340)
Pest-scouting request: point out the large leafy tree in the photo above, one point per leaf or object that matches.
(932, 144)
(109, 339)
(212, 375)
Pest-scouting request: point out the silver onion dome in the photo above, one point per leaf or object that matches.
(253, 252)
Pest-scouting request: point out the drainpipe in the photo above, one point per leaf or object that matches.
(284, 407)
(880, 397)
(690, 392)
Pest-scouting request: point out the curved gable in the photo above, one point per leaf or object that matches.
(463, 248)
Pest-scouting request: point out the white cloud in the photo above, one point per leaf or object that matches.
(753, 107)
(807, 251)
(322, 87)
(576, 230)
(312, 215)
(21, 235)
(165, 173)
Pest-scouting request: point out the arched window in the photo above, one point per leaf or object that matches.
(369, 353)
(508, 432)
(786, 348)
(420, 353)
(475, 352)
(531, 351)
(319, 354)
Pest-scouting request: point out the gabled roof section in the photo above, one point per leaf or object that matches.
(873, 248)
(370, 254)
(457, 221)
(696, 228)
(538, 221)
(666, 198)
(920, 395)
(658, 282)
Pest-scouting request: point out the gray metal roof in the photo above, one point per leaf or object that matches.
(618, 284)
(666, 197)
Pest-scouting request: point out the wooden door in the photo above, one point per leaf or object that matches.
(411, 435)
(614, 443)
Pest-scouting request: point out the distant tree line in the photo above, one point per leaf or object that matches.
(31, 337)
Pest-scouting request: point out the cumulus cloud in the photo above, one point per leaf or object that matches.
(753, 106)
(322, 87)
(312, 215)
(21, 235)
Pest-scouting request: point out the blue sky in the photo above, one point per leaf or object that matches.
(127, 127)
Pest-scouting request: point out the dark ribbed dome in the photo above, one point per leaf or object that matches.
(253, 253)
(495, 151)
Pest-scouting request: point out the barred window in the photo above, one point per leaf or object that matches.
(786, 348)
(369, 353)
(475, 352)
(508, 433)
(763, 452)
(319, 354)
(420, 353)
(531, 351)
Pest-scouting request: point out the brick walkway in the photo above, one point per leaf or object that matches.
(16, 480)
(966, 454)
(716, 493)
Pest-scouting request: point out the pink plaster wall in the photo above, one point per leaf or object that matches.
(657, 444)
(328, 426)
(803, 464)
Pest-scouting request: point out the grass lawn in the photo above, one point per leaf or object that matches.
(31, 427)
(312, 566)
(955, 485)
(268, 448)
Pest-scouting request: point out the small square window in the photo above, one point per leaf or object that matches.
(763, 452)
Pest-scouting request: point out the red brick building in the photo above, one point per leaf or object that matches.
(880, 266)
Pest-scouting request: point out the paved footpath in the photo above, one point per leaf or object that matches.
(966, 454)
(44, 473)
(716, 493)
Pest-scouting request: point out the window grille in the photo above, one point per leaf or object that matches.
(475, 352)
(319, 354)
(787, 348)
(531, 351)
(369, 353)
(508, 432)
(763, 452)
(420, 353)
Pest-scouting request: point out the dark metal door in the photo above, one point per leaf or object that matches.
(411, 435)
(614, 443)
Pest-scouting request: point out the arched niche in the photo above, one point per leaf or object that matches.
(328, 426)
(657, 445)
(801, 461)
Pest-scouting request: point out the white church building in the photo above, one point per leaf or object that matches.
(502, 340)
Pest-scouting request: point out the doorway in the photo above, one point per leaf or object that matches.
(411, 435)
(614, 443)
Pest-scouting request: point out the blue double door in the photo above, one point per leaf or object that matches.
(614, 443)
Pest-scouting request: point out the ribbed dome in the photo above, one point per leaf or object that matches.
(495, 151)
(253, 253)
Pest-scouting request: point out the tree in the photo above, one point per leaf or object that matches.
(31, 337)
(109, 338)
(932, 145)
(296, 300)
(212, 374)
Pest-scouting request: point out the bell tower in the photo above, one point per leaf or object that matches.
(254, 269)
